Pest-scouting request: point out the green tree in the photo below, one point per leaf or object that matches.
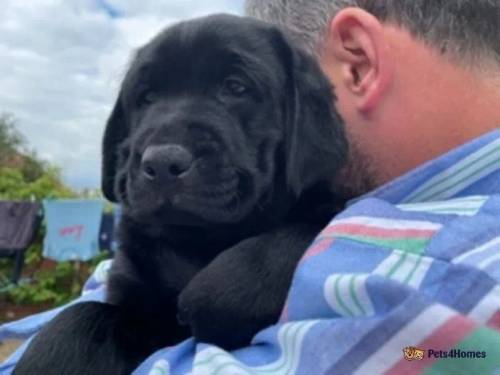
(14, 153)
(23, 175)
(14, 185)
(10, 139)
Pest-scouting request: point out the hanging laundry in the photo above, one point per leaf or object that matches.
(117, 218)
(106, 233)
(19, 222)
(72, 229)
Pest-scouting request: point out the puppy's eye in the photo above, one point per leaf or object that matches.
(235, 87)
(147, 97)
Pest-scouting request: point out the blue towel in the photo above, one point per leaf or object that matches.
(72, 229)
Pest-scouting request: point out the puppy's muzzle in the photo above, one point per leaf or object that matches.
(163, 164)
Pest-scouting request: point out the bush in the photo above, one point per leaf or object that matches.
(57, 285)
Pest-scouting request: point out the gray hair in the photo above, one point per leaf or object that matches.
(465, 29)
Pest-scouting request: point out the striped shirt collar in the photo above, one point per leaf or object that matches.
(471, 169)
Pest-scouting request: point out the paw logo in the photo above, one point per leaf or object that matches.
(411, 353)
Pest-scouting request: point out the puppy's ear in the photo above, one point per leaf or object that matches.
(316, 143)
(115, 133)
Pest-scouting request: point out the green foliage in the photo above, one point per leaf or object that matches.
(58, 286)
(10, 139)
(23, 176)
(47, 287)
(14, 185)
(15, 154)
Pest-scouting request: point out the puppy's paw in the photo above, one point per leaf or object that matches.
(216, 312)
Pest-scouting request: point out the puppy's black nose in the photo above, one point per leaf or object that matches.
(164, 163)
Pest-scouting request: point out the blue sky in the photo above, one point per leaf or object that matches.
(62, 62)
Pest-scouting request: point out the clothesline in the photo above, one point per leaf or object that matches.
(76, 229)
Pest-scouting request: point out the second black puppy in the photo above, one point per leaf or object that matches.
(220, 149)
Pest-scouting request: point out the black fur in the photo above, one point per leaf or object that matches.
(209, 252)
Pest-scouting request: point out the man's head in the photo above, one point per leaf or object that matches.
(414, 78)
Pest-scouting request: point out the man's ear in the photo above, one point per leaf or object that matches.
(316, 144)
(360, 52)
(115, 133)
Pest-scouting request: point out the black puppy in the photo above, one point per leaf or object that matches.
(220, 149)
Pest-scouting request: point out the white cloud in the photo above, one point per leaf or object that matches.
(62, 62)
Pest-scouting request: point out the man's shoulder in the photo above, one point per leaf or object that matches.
(445, 229)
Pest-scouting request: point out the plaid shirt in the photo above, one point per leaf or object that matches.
(404, 281)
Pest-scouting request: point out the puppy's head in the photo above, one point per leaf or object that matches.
(220, 119)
